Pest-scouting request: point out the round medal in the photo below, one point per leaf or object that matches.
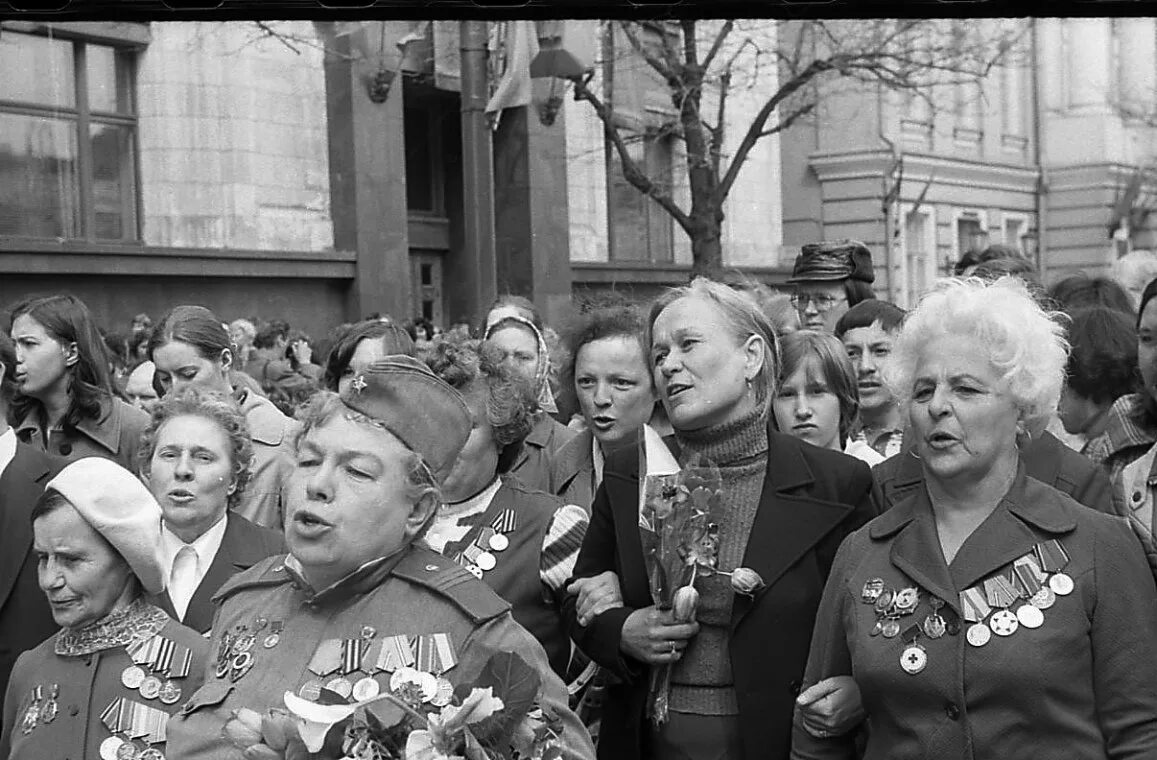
(978, 634)
(499, 542)
(132, 677)
(127, 751)
(486, 561)
(151, 754)
(310, 691)
(109, 747)
(271, 641)
(1044, 598)
(1003, 623)
(366, 688)
(150, 687)
(906, 599)
(170, 693)
(340, 686)
(891, 629)
(1061, 584)
(913, 659)
(444, 694)
(1030, 617)
(429, 685)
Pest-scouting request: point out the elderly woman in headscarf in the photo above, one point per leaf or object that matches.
(514, 327)
(105, 685)
(362, 607)
(987, 614)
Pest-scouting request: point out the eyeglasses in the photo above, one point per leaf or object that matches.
(822, 301)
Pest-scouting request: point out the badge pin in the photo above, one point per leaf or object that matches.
(884, 600)
(1003, 623)
(271, 641)
(934, 626)
(310, 690)
(877, 629)
(913, 659)
(475, 571)
(51, 710)
(978, 634)
(873, 587)
(1061, 584)
(906, 600)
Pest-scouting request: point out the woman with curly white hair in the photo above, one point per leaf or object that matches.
(987, 615)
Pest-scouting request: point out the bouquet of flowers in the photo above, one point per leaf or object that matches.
(680, 538)
(494, 717)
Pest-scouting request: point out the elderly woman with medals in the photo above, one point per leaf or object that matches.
(361, 608)
(988, 614)
(105, 685)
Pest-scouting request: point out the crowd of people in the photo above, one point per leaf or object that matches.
(932, 535)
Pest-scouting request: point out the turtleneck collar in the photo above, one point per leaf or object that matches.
(731, 442)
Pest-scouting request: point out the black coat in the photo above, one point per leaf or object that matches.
(243, 546)
(1046, 459)
(25, 619)
(812, 498)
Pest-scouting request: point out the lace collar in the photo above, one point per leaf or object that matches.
(134, 622)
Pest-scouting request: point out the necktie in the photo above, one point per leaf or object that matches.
(183, 580)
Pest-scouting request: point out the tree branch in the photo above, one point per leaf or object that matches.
(715, 46)
(662, 67)
(631, 171)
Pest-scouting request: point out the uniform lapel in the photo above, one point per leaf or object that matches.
(788, 522)
(916, 546)
(909, 476)
(231, 558)
(20, 486)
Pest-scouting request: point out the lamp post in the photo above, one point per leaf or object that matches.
(477, 166)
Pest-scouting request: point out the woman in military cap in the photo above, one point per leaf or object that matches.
(359, 598)
(105, 685)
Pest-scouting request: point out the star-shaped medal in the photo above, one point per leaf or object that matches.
(359, 383)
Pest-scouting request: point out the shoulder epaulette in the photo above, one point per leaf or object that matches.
(446, 578)
(268, 572)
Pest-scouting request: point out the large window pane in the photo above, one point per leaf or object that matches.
(111, 181)
(36, 70)
(38, 177)
(106, 69)
(420, 181)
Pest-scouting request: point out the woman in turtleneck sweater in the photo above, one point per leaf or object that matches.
(739, 666)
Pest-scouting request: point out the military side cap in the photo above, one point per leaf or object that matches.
(410, 401)
(832, 261)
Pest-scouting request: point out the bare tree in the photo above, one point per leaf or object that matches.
(791, 67)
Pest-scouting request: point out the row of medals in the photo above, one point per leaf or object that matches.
(150, 687)
(38, 713)
(891, 606)
(359, 684)
(235, 653)
(478, 558)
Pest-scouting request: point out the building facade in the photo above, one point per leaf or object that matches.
(1040, 157)
(316, 172)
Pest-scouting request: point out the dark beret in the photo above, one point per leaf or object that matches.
(411, 402)
(838, 260)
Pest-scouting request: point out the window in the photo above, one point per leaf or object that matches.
(67, 139)
(919, 252)
(640, 229)
(971, 232)
(1014, 228)
(424, 167)
(1013, 90)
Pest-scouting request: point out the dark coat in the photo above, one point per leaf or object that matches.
(243, 546)
(1082, 685)
(812, 498)
(1045, 459)
(25, 619)
(116, 435)
(538, 449)
(572, 471)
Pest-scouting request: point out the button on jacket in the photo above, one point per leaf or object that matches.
(420, 592)
(1082, 685)
(115, 435)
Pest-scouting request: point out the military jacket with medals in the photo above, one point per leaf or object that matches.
(1036, 641)
(104, 691)
(273, 634)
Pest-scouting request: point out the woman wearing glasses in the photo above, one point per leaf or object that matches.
(829, 279)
